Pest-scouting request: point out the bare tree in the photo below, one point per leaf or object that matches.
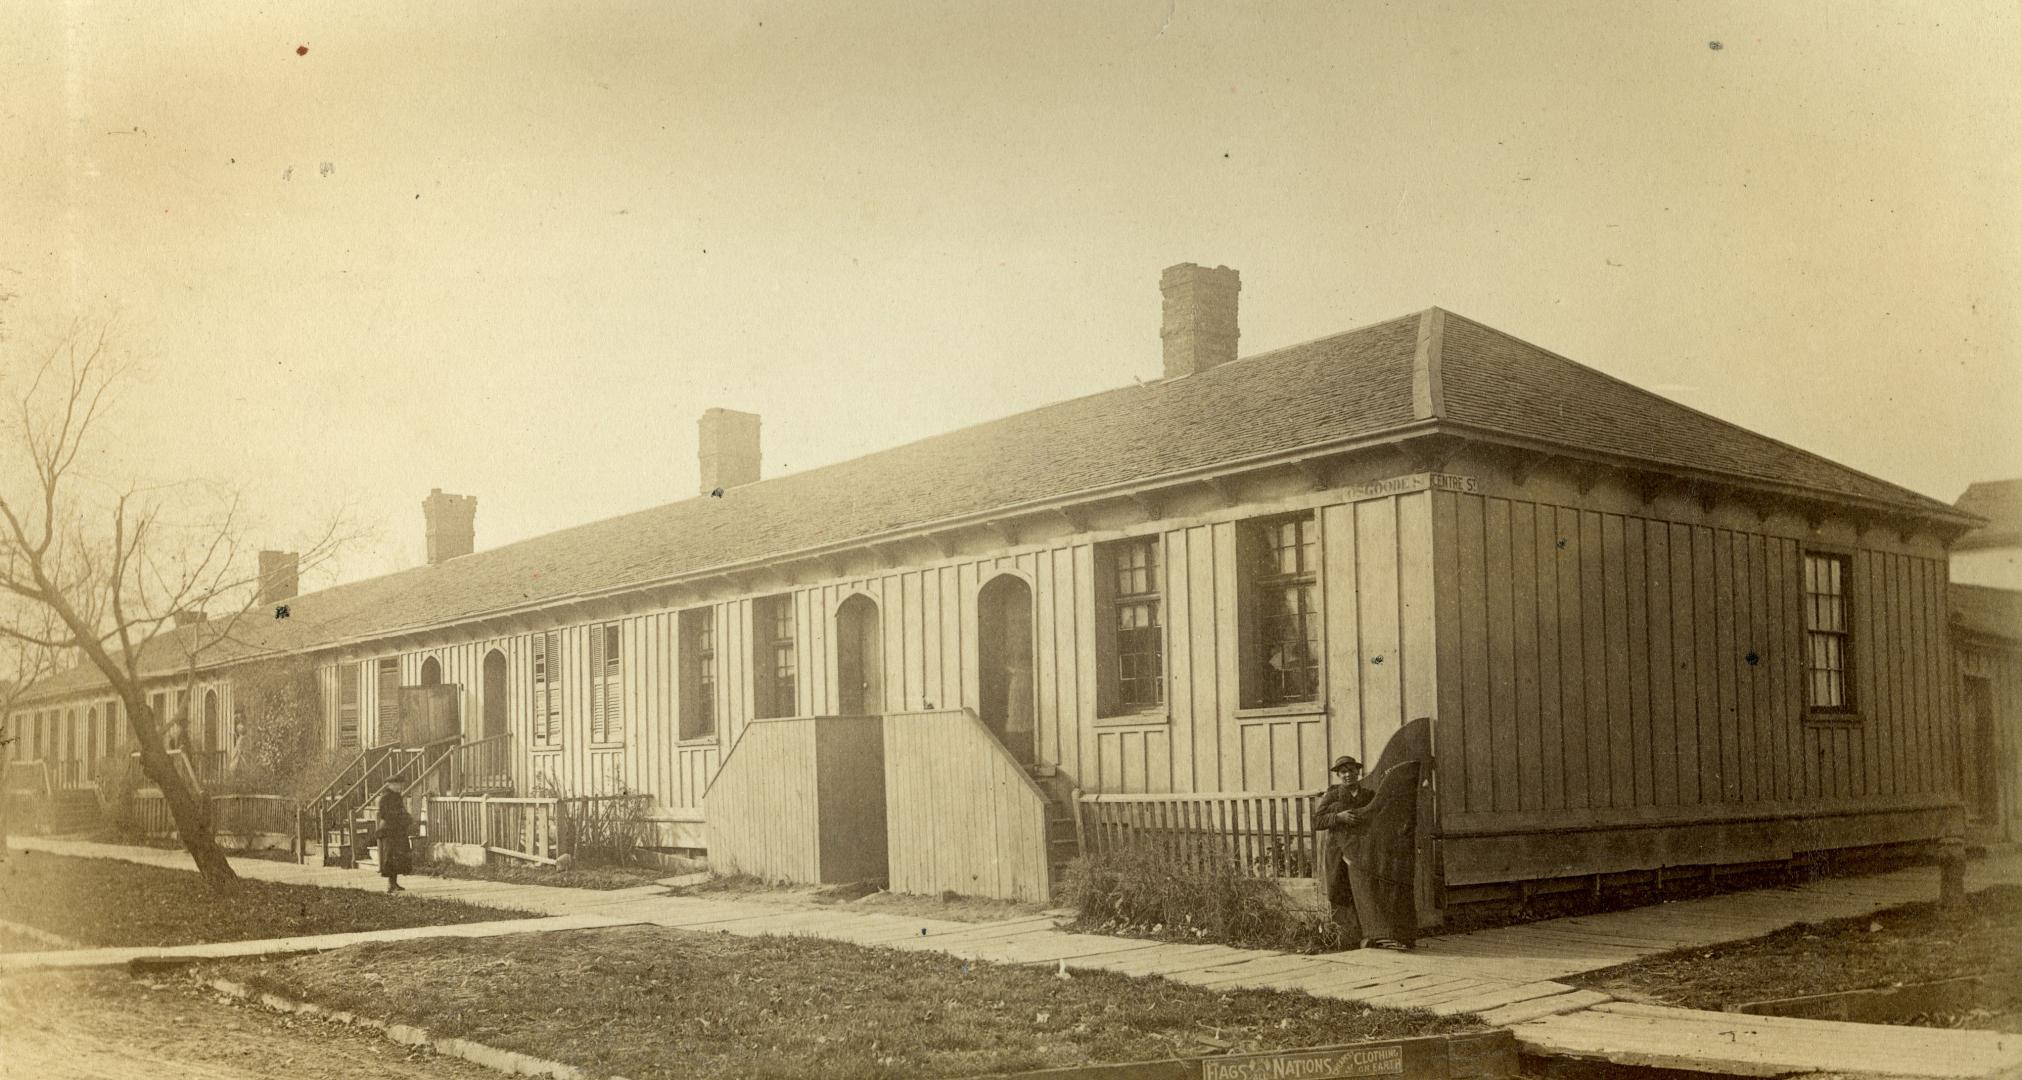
(118, 576)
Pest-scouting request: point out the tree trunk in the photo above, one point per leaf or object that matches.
(188, 807)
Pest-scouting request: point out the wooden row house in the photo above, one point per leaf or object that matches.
(1645, 638)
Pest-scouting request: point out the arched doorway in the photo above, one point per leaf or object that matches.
(494, 693)
(1004, 649)
(210, 721)
(431, 672)
(860, 658)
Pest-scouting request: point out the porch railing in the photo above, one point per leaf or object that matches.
(527, 829)
(1266, 834)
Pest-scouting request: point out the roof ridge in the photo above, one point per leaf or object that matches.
(1930, 502)
(1428, 383)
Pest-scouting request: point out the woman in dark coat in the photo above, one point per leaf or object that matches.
(395, 855)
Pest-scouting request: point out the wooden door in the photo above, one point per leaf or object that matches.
(494, 693)
(860, 662)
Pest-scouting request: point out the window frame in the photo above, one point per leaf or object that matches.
(696, 636)
(1847, 708)
(1110, 599)
(775, 659)
(1256, 538)
(348, 675)
(607, 681)
(544, 727)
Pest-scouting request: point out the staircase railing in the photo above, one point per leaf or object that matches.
(375, 767)
(485, 763)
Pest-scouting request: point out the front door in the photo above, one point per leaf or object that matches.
(1004, 646)
(860, 663)
(494, 694)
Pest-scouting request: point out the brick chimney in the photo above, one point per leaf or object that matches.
(451, 525)
(280, 575)
(729, 449)
(1199, 324)
(190, 616)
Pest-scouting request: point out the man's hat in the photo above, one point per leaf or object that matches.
(1344, 762)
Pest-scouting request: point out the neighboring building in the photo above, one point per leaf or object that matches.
(1647, 638)
(1992, 554)
(1987, 642)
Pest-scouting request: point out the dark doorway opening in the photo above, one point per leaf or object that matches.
(212, 741)
(1983, 757)
(860, 658)
(494, 693)
(431, 672)
(1004, 645)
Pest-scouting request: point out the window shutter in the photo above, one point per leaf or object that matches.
(613, 672)
(597, 685)
(540, 688)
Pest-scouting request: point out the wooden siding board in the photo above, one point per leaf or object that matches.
(1705, 666)
(1179, 689)
(1212, 757)
(1473, 560)
(1376, 660)
(1222, 642)
(1523, 572)
(1621, 718)
(1663, 700)
(1733, 776)
(1417, 652)
(1636, 591)
(1501, 655)
(1573, 633)
(1594, 667)
(1449, 723)
(1551, 726)
(1684, 663)
(1346, 722)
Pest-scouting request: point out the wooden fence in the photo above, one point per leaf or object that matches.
(1265, 834)
(963, 813)
(525, 829)
(242, 818)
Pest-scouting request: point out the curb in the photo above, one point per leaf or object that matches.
(510, 1062)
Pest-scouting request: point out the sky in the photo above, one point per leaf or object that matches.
(364, 250)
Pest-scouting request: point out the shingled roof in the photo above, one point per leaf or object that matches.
(1364, 384)
(2000, 502)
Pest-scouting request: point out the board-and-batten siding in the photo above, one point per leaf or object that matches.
(1375, 585)
(1608, 667)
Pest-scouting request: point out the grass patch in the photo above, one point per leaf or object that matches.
(656, 1002)
(865, 896)
(1140, 891)
(591, 877)
(108, 902)
(1911, 944)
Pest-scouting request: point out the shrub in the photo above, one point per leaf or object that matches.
(1144, 889)
(281, 709)
(605, 831)
(119, 776)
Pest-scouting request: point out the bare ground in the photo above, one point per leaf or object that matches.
(106, 1026)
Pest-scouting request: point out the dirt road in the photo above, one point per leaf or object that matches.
(107, 1026)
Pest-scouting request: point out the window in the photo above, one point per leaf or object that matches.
(388, 712)
(548, 688)
(347, 704)
(773, 657)
(91, 733)
(1280, 598)
(607, 715)
(698, 673)
(115, 725)
(1131, 635)
(1827, 634)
